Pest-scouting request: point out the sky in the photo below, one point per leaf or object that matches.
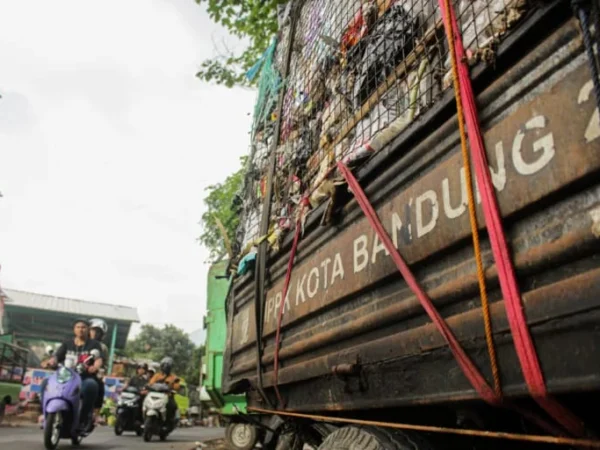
(107, 143)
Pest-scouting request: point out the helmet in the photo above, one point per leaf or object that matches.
(99, 324)
(166, 365)
(142, 366)
(49, 350)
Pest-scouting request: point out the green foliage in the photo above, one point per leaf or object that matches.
(156, 343)
(251, 20)
(192, 376)
(219, 203)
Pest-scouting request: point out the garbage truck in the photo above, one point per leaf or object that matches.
(230, 410)
(417, 262)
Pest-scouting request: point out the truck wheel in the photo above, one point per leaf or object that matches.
(241, 436)
(372, 438)
(289, 441)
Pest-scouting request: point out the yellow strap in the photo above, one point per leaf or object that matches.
(489, 337)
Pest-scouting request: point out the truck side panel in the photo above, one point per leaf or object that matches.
(347, 306)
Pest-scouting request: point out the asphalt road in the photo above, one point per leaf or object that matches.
(103, 438)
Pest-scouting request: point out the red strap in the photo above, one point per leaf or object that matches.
(512, 299)
(286, 285)
(465, 363)
(469, 369)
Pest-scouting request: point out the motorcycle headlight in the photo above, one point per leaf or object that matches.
(64, 375)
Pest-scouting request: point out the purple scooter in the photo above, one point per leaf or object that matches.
(62, 403)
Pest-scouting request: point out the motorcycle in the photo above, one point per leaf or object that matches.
(155, 412)
(129, 412)
(62, 403)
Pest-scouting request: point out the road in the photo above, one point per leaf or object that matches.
(103, 438)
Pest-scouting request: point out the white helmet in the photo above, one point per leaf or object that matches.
(49, 350)
(100, 324)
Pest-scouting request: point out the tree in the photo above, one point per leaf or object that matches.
(156, 343)
(251, 20)
(192, 375)
(220, 205)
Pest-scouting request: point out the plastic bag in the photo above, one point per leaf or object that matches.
(391, 39)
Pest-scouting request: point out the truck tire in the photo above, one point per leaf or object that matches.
(241, 436)
(372, 438)
(289, 441)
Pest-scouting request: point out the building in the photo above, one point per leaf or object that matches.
(28, 316)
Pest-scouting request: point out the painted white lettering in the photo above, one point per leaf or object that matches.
(361, 255)
(312, 287)
(545, 144)
(277, 306)
(300, 290)
(409, 226)
(454, 212)
(499, 176)
(396, 227)
(270, 306)
(592, 132)
(378, 247)
(431, 197)
(325, 265)
(338, 268)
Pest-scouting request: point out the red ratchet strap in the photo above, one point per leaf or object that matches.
(467, 366)
(465, 363)
(526, 352)
(286, 285)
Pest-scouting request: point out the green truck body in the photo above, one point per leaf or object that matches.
(216, 332)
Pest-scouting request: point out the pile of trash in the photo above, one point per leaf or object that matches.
(360, 72)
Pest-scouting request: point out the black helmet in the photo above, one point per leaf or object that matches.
(80, 320)
(166, 365)
(143, 366)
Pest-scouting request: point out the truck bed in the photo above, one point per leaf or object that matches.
(353, 335)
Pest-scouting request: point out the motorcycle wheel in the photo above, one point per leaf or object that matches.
(163, 435)
(139, 431)
(148, 429)
(52, 431)
(118, 427)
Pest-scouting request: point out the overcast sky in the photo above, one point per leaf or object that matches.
(107, 142)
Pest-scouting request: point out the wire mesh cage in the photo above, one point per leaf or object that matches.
(360, 73)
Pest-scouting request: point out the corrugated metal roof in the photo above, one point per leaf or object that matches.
(70, 306)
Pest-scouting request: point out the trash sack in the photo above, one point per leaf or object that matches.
(334, 112)
(397, 109)
(378, 119)
(391, 39)
(482, 23)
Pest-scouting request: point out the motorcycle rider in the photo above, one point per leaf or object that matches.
(80, 348)
(151, 370)
(140, 379)
(98, 329)
(165, 375)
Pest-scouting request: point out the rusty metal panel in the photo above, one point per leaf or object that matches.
(532, 154)
(349, 315)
